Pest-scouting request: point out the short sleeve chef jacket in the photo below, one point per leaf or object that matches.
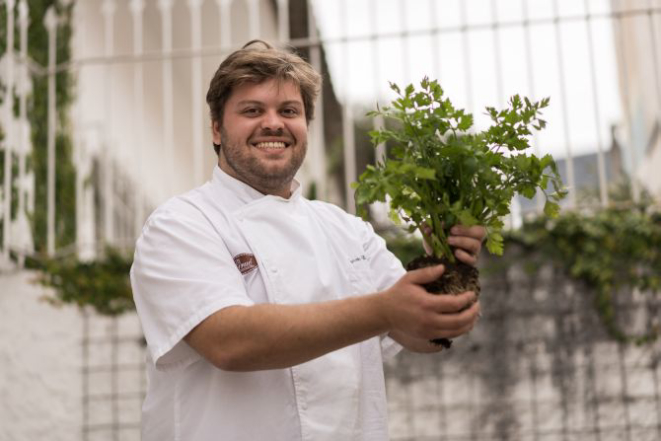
(226, 244)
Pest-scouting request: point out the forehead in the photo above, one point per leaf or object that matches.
(269, 91)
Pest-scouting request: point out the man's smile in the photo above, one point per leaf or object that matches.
(271, 145)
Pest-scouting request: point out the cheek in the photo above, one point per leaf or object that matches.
(300, 131)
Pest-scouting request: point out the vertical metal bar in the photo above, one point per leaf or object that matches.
(108, 10)
(440, 391)
(656, 381)
(225, 20)
(349, 134)
(195, 7)
(253, 17)
(318, 150)
(114, 377)
(406, 61)
(80, 162)
(531, 83)
(655, 57)
(467, 56)
(23, 22)
(9, 130)
(85, 377)
(571, 177)
(283, 21)
(50, 22)
(591, 390)
(137, 7)
(621, 351)
(601, 164)
(495, 27)
(165, 8)
(435, 39)
(533, 395)
(622, 62)
(378, 121)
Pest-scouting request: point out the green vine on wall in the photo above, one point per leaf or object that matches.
(102, 284)
(610, 250)
(37, 109)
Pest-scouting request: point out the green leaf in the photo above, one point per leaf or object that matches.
(551, 209)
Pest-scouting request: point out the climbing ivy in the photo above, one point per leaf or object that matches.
(102, 284)
(65, 216)
(609, 250)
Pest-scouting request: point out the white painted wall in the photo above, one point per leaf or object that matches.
(41, 368)
(117, 134)
(40, 364)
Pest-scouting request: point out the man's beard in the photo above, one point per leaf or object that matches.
(252, 171)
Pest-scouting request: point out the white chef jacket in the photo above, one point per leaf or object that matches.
(226, 244)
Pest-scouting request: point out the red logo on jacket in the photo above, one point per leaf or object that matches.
(245, 262)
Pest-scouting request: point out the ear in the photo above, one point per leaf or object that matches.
(215, 132)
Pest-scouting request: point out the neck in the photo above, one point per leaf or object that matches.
(283, 190)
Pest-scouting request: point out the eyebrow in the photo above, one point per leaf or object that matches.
(261, 103)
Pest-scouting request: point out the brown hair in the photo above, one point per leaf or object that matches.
(252, 64)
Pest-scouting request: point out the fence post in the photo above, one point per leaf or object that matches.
(225, 20)
(283, 21)
(9, 130)
(165, 8)
(50, 22)
(108, 10)
(195, 7)
(318, 150)
(24, 128)
(137, 7)
(349, 134)
(254, 19)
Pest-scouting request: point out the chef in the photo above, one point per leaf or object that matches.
(267, 315)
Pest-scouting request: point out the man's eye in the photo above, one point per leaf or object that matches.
(290, 112)
(251, 111)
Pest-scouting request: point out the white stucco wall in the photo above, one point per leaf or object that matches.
(42, 378)
(40, 364)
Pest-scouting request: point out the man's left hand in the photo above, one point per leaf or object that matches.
(467, 242)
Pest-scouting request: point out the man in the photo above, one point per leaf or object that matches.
(267, 316)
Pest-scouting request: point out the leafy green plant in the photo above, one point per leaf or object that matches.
(440, 173)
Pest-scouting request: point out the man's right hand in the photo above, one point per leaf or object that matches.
(411, 310)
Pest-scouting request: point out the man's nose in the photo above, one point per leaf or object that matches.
(272, 120)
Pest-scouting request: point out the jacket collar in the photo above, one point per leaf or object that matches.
(244, 192)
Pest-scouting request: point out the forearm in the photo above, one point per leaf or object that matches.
(269, 336)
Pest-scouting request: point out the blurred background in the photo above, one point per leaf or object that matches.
(103, 118)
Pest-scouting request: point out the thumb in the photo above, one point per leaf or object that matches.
(425, 275)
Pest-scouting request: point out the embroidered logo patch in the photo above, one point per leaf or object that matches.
(245, 262)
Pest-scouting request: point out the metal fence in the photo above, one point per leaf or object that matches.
(139, 130)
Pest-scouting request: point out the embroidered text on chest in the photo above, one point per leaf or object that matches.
(245, 262)
(360, 258)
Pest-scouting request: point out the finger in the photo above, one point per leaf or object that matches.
(454, 333)
(476, 231)
(450, 304)
(457, 324)
(426, 231)
(469, 244)
(465, 257)
(428, 249)
(425, 275)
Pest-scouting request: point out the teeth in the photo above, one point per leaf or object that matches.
(270, 145)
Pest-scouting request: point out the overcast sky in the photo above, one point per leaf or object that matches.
(495, 64)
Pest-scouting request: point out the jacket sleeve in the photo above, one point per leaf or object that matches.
(182, 272)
